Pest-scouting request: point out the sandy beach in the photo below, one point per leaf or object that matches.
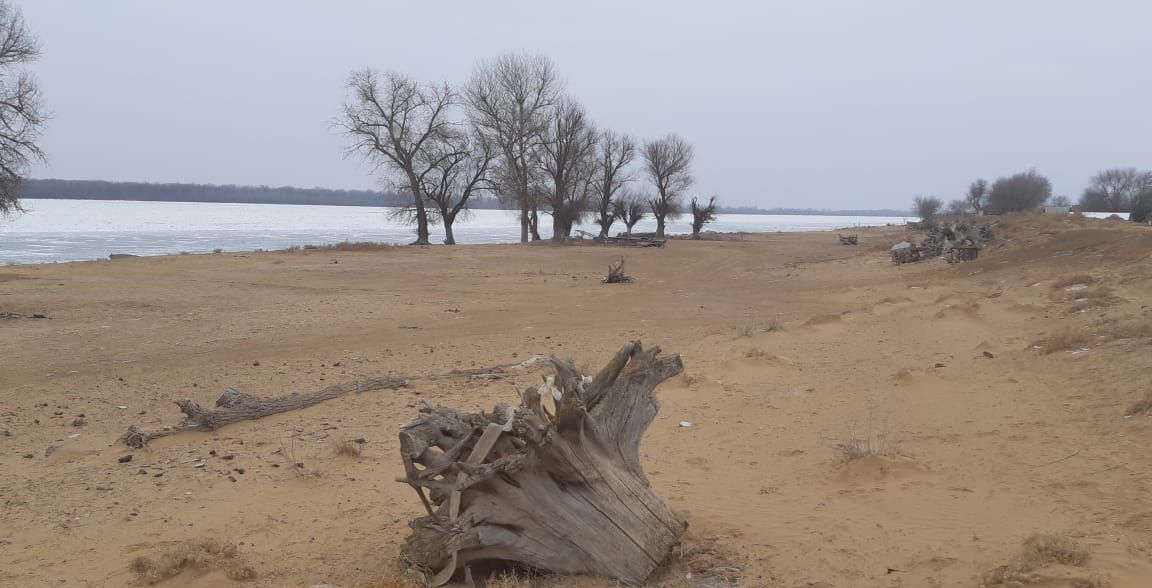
(991, 394)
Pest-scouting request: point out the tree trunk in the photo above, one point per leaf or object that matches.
(449, 220)
(660, 226)
(534, 223)
(524, 220)
(563, 493)
(421, 223)
(558, 233)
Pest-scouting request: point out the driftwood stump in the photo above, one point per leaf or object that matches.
(616, 273)
(563, 493)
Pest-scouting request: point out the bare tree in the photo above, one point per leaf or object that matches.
(396, 122)
(510, 100)
(1022, 191)
(616, 153)
(1059, 201)
(629, 207)
(1115, 190)
(926, 207)
(959, 207)
(977, 193)
(569, 163)
(22, 116)
(459, 168)
(667, 164)
(702, 214)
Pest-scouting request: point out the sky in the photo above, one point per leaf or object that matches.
(822, 104)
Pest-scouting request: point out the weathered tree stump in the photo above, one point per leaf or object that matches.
(616, 273)
(563, 493)
(234, 406)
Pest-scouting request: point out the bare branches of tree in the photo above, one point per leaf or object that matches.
(702, 214)
(1022, 191)
(22, 115)
(403, 126)
(667, 163)
(458, 169)
(616, 153)
(977, 194)
(926, 207)
(1115, 190)
(509, 100)
(569, 163)
(630, 208)
(959, 207)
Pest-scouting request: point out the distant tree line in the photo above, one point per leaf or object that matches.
(181, 192)
(511, 131)
(1111, 190)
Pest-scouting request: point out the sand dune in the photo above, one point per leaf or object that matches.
(984, 420)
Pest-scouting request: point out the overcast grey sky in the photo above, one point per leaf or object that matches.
(844, 104)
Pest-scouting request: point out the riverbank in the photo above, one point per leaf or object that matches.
(982, 430)
(77, 230)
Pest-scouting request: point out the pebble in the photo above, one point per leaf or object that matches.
(686, 424)
(125, 458)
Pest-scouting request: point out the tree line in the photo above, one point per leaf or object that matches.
(514, 132)
(188, 192)
(1111, 190)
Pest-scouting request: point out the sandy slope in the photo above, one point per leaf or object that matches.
(986, 450)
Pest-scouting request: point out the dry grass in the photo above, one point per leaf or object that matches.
(1038, 551)
(350, 447)
(873, 440)
(204, 555)
(345, 246)
(754, 328)
(1142, 406)
(1065, 339)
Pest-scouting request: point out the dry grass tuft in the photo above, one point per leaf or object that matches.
(350, 447)
(205, 554)
(871, 441)
(1038, 551)
(1065, 339)
(1142, 406)
(754, 328)
(345, 246)
(1049, 548)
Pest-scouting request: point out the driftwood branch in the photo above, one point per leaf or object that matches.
(558, 490)
(234, 406)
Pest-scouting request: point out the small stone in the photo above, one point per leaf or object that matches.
(142, 471)
(125, 458)
(79, 422)
(228, 457)
(239, 470)
(989, 355)
(29, 455)
(939, 365)
(233, 478)
(256, 363)
(212, 452)
(686, 424)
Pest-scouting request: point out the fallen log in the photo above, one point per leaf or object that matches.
(560, 492)
(234, 406)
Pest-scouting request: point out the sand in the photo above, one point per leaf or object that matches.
(793, 345)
